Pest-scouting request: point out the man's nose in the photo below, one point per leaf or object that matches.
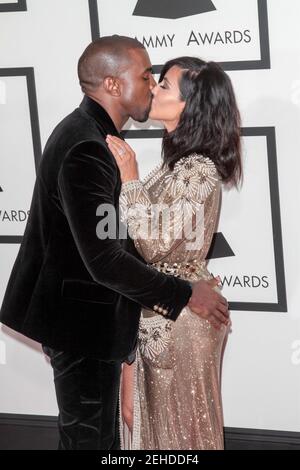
(154, 89)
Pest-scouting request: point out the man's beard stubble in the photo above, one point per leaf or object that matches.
(146, 113)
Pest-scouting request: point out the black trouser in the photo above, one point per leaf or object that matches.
(87, 396)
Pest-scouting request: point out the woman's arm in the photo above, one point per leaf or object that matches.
(158, 228)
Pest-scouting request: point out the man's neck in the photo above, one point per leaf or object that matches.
(118, 120)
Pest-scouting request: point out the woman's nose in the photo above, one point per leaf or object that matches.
(153, 83)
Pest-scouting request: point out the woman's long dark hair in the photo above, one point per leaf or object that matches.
(210, 122)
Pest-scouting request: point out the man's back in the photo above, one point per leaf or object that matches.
(51, 296)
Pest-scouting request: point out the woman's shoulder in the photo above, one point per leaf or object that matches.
(193, 176)
(195, 163)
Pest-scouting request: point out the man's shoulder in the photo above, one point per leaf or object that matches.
(75, 135)
(77, 125)
(73, 130)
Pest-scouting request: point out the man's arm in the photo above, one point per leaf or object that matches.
(87, 179)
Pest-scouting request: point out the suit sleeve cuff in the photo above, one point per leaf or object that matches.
(183, 292)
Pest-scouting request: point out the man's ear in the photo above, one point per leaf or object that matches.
(112, 86)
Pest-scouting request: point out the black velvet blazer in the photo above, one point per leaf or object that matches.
(69, 289)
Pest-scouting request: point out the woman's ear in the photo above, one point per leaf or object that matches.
(112, 86)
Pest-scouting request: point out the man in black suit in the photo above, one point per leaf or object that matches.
(78, 294)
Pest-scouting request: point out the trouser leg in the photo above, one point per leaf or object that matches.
(87, 395)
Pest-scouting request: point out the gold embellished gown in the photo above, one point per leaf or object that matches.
(177, 399)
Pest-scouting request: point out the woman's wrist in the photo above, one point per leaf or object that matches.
(128, 178)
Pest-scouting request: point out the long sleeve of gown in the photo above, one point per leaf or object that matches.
(174, 214)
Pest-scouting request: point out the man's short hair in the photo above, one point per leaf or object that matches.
(104, 57)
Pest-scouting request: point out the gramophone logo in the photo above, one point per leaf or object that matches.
(201, 28)
(176, 9)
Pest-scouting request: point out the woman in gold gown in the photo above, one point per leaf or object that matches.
(170, 395)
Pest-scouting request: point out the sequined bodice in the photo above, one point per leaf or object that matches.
(192, 188)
